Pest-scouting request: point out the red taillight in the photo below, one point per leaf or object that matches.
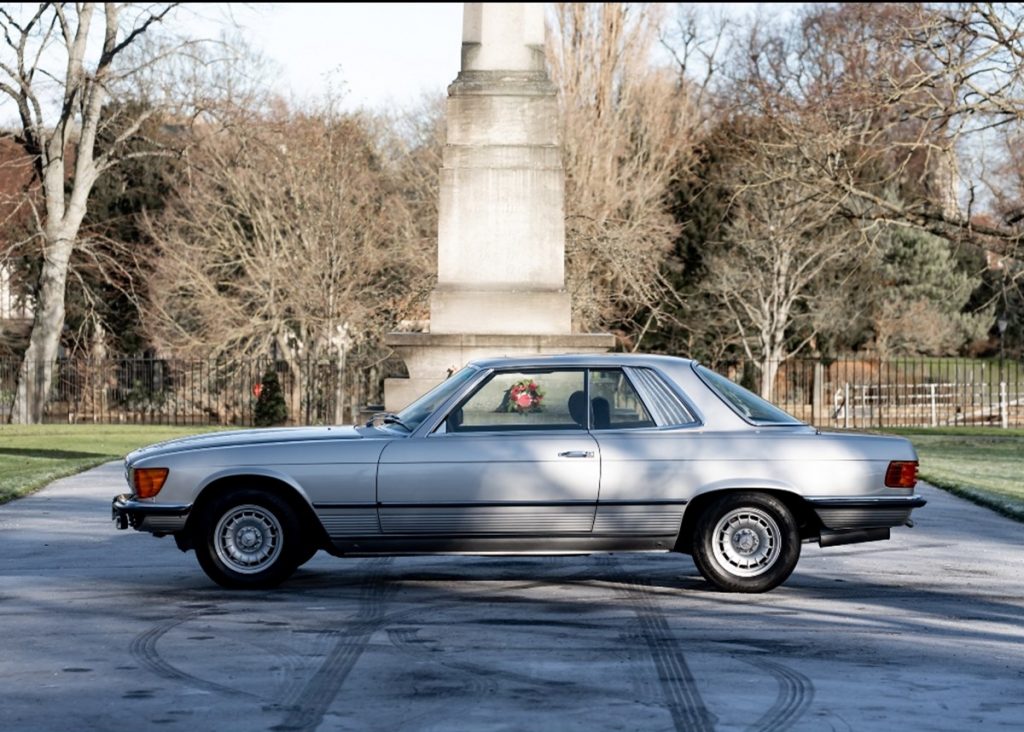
(901, 474)
(149, 481)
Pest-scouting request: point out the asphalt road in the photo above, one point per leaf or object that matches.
(101, 629)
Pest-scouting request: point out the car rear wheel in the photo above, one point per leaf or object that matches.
(746, 542)
(248, 538)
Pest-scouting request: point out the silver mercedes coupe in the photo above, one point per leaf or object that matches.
(568, 454)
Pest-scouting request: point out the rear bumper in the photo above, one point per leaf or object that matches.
(841, 514)
(856, 520)
(157, 518)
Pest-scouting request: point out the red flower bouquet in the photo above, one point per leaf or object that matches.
(525, 396)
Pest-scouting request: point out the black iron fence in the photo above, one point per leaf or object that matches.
(905, 392)
(196, 392)
(844, 393)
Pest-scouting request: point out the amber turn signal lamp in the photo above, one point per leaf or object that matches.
(901, 474)
(149, 481)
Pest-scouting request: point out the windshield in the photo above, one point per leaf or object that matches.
(749, 405)
(423, 407)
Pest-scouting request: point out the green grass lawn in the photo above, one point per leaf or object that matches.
(982, 464)
(32, 456)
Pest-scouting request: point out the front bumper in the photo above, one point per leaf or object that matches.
(157, 518)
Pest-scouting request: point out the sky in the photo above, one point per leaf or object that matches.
(380, 53)
(375, 54)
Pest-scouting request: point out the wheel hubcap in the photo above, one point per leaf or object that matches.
(746, 542)
(248, 539)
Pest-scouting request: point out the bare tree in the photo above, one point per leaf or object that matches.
(773, 270)
(59, 83)
(901, 90)
(840, 129)
(628, 129)
(292, 236)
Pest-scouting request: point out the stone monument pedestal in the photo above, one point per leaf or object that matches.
(501, 217)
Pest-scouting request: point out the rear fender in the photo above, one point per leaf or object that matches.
(806, 519)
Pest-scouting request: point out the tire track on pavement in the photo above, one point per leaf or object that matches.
(143, 649)
(479, 679)
(683, 699)
(307, 708)
(796, 692)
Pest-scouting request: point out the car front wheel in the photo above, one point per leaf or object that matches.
(248, 539)
(746, 542)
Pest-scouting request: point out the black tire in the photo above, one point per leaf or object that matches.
(248, 538)
(746, 542)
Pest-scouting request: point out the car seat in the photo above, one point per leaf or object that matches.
(578, 408)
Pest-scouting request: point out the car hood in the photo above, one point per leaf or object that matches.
(241, 438)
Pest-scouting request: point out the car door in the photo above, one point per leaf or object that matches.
(513, 458)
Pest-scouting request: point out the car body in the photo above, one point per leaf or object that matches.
(535, 455)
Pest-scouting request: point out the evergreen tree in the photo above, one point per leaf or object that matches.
(692, 324)
(270, 410)
(923, 304)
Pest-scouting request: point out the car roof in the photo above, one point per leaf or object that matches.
(581, 359)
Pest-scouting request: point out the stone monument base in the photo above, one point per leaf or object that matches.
(431, 356)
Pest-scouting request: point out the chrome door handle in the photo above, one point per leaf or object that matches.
(576, 453)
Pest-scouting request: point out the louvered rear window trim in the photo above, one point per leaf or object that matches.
(666, 407)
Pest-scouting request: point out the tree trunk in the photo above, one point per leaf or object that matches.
(339, 388)
(295, 417)
(771, 360)
(36, 373)
(769, 370)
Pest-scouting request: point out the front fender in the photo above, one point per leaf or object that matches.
(257, 471)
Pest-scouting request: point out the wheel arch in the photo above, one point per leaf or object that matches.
(265, 480)
(806, 518)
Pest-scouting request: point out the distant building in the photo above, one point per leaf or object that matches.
(16, 307)
(13, 304)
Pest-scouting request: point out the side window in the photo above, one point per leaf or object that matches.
(524, 400)
(614, 402)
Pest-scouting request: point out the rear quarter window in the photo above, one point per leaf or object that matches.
(748, 405)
